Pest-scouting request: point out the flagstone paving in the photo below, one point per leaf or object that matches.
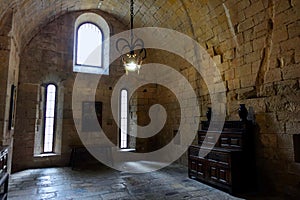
(104, 183)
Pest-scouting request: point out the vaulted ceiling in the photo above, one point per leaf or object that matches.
(31, 15)
(209, 22)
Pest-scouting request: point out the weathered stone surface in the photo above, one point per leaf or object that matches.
(254, 9)
(245, 25)
(258, 104)
(288, 116)
(276, 103)
(41, 64)
(293, 29)
(268, 124)
(286, 87)
(100, 182)
(246, 93)
(285, 141)
(280, 34)
(252, 33)
(273, 75)
(268, 140)
(292, 127)
(291, 72)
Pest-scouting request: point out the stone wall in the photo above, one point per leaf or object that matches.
(49, 58)
(253, 42)
(141, 102)
(262, 71)
(9, 72)
(5, 42)
(255, 47)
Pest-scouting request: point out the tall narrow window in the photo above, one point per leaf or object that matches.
(89, 45)
(124, 119)
(49, 118)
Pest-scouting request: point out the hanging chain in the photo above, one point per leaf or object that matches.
(131, 25)
(131, 14)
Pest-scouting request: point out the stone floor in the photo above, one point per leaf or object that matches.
(104, 183)
(100, 182)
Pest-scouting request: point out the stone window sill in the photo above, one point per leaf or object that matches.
(127, 150)
(90, 69)
(45, 155)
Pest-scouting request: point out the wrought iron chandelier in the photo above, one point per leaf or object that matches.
(132, 61)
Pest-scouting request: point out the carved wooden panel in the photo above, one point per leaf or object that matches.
(230, 164)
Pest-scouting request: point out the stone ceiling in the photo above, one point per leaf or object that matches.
(31, 15)
(208, 22)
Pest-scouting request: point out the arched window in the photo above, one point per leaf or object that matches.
(124, 119)
(91, 44)
(49, 118)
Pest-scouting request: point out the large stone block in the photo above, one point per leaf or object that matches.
(292, 127)
(285, 141)
(286, 154)
(260, 17)
(282, 6)
(293, 29)
(5, 43)
(291, 43)
(273, 75)
(291, 72)
(243, 71)
(276, 103)
(259, 43)
(245, 25)
(247, 47)
(246, 93)
(280, 34)
(287, 17)
(243, 4)
(286, 87)
(261, 27)
(248, 81)
(254, 8)
(230, 74)
(268, 153)
(268, 140)
(258, 105)
(268, 124)
(291, 116)
(253, 56)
